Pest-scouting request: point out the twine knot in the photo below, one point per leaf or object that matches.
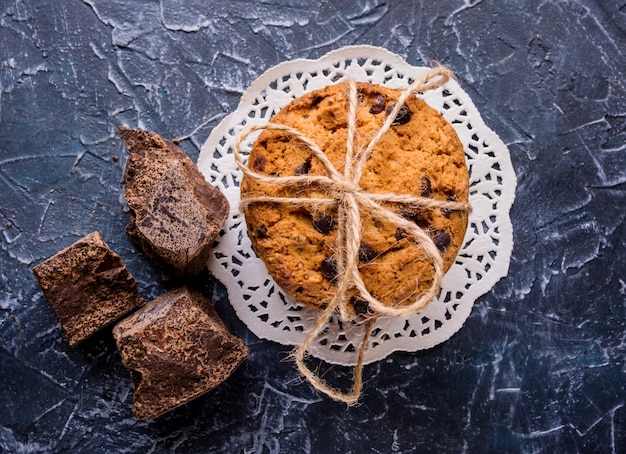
(343, 191)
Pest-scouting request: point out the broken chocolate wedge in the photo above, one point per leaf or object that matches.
(176, 348)
(175, 213)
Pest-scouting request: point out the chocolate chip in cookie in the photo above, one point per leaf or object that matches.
(403, 117)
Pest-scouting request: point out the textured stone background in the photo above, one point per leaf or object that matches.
(539, 365)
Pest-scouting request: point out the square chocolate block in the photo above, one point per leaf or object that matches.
(177, 348)
(87, 286)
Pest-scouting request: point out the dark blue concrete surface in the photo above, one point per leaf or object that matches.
(538, 367)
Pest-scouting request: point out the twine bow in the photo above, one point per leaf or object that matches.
(344, 192)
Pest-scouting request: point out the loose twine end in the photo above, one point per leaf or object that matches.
(350, 200)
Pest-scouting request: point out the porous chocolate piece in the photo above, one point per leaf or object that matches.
(175, 213)
(87, 286)
(177, 348)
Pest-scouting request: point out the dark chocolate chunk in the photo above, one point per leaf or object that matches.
(379, 105)
(323, 223)
(421, 222)
(303, 169)
(403, 117)
(426, 188)
(361, 307)
(442, 240)
(316, 100)
(329, 268)
(175, 213)
(366, 253)
(176, 348)
(261, 231)
(87, 286)
(416, 216)
(259, 163)
(445, 211)
(400, 235)
(407, 213)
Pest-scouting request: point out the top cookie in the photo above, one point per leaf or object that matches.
(175, 213)
(419, 155)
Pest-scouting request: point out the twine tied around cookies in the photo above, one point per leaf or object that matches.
(344, 192)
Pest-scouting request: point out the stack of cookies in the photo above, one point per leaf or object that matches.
(420, 155)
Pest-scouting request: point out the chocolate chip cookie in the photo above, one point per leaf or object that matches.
(420, 155)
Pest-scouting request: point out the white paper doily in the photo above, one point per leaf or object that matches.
(483, 260)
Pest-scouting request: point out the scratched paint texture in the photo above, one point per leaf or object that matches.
(539, 365)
